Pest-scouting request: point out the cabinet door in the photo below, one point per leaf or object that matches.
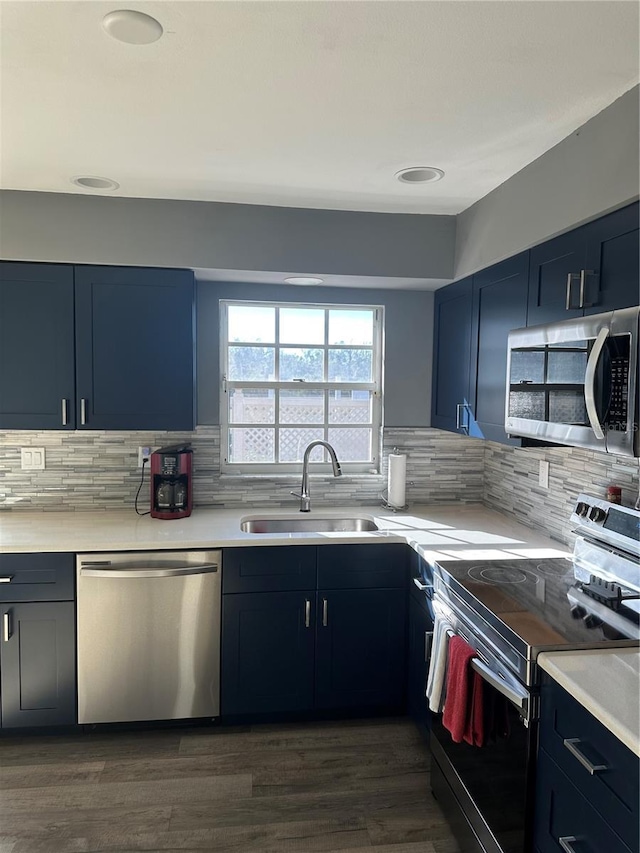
(37, 382)
(363, 566)
(267, 652)
(451, 355)
(554, 278)
(281, 568)
(135, 348)
(360, 648)
(612, 262)
(420, 638)
(37, 660)
(499, 305)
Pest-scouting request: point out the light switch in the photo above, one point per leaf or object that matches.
(32, 458)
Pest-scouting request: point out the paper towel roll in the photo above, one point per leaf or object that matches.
(397, 479)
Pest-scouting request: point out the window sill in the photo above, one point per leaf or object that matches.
(294, 478)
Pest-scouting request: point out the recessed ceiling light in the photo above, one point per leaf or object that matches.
(89, 182)
(303, 279)
(132, 27)
(419, 175)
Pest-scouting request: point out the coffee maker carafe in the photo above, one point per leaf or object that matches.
(171, 481)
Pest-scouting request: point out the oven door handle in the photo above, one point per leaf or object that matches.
(519, 698)
(589, 383)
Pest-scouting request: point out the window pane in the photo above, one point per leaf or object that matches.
(251, 364)
(293, 443)
(301, 364)
(567, 407)
(350, 407)
(252, 324)
(567, 367)
(301, 326)
(527, 404)
(252, 445)
(527, 367)
(348, 326)
(350, 365)
(252, 406)
(351, 445)
(301, 407)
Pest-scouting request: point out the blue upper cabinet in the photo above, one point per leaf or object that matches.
(37, 383)
(134, 348)
(499, 305)
(451, 356)
(587, 271)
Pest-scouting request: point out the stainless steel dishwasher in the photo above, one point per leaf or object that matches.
(148, 635)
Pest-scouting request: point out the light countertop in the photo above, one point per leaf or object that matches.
(463, 531)
(606, 682)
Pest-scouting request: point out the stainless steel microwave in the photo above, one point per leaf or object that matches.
(576, 382)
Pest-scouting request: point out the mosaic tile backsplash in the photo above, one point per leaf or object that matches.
(92, 470)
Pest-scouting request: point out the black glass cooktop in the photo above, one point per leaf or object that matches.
(539, 600)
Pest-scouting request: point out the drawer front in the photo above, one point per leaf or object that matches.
(37, 577)
(274, 569)
(362, 566)
(564, 820)
(613, 791)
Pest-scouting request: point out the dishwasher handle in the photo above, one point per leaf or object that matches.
(173, 572)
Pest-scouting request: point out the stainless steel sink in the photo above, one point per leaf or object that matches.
(307, 525)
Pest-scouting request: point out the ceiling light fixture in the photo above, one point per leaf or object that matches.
(132, 27)
(304, 279)
(90, 182)
(419, 175)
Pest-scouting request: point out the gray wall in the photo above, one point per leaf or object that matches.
(408, 343)
(591, 172)
(85, 229)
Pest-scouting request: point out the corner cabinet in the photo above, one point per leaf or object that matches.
(334, 639)
(96, 348)
(37, 647)
(587, 782)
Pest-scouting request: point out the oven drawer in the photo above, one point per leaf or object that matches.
(565, 821)
(37, 577)
(573, 738)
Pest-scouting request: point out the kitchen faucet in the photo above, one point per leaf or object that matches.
(305, 497)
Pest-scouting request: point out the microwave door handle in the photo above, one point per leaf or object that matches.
(589, 383)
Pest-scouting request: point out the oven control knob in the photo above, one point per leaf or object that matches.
(597, 514)
(591, 621)
(582, 509)
(578, 612)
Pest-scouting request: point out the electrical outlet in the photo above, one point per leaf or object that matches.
(543, 474)
(32, 458)
(143, 454)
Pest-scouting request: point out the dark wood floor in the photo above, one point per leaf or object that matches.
(347, 786)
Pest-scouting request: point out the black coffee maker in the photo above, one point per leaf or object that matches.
(171, 481)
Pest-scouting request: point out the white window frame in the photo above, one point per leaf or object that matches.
(371, 466)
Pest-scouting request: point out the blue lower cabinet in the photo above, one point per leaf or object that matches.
(267, 652)
(360, 648)
(37, 664)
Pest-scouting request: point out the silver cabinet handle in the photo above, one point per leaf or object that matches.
(422, 586)
(583, 282)
(6, 579)
(566, 842)
(570, 278)
(6, 627)
(571, 744)
(148, 573)
(307, 613)
(65, 411)
(589, 382)
(325, 613)
(458, 407)
(428, 639)
(83, 410)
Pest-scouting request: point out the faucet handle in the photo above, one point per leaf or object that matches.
(296, 494)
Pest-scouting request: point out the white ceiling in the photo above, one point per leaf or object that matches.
(307, 104)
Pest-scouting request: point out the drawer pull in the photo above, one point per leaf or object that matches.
(571, 744)
(6, 579)
(566, 842)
